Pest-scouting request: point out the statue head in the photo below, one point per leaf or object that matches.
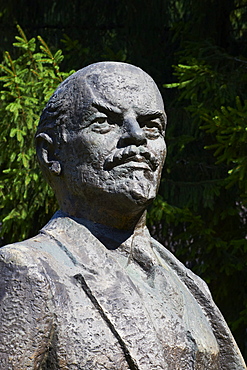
(100, 141)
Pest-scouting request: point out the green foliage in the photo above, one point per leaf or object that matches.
(216, 96)
(229, 126)
(26, 84)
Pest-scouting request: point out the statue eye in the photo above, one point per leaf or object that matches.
(101, 125)
(152, 128)
(101, 120)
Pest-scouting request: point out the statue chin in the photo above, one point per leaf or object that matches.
(134, 197)
(136, 187)
(140, 200)
(142, 195)
(129, 197)
(130, 189)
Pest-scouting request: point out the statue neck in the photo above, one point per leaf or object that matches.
(110, 236)
(119, 216)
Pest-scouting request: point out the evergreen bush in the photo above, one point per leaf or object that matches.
(26, 84)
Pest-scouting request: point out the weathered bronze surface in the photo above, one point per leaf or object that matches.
(93, 290)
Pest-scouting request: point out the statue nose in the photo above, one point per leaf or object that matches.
(133, 135)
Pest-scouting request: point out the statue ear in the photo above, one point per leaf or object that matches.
(46, 153)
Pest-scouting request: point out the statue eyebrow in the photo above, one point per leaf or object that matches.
(103, 107)
(151, 113)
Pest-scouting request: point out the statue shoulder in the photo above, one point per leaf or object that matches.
(186, 275)
(26, 306)
(23, 254)
(41, 256)
(230, 355)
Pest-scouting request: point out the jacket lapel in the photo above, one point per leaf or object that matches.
(112, 292)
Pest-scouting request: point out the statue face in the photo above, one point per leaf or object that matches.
(118, 147)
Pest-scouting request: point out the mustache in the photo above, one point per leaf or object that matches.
(131, 153)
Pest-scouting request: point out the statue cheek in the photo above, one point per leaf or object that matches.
(97, 142)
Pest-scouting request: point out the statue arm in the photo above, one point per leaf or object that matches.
(26, 327)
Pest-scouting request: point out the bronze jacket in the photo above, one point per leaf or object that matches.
(70, 302)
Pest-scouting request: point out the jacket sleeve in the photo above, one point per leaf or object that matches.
(26, 319)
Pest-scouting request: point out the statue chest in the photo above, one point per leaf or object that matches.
(119, 317)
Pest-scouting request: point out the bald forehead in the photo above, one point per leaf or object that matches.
(118, 85)
(121, 85)
(124, 91)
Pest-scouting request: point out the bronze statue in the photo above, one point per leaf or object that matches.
(93, 290)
